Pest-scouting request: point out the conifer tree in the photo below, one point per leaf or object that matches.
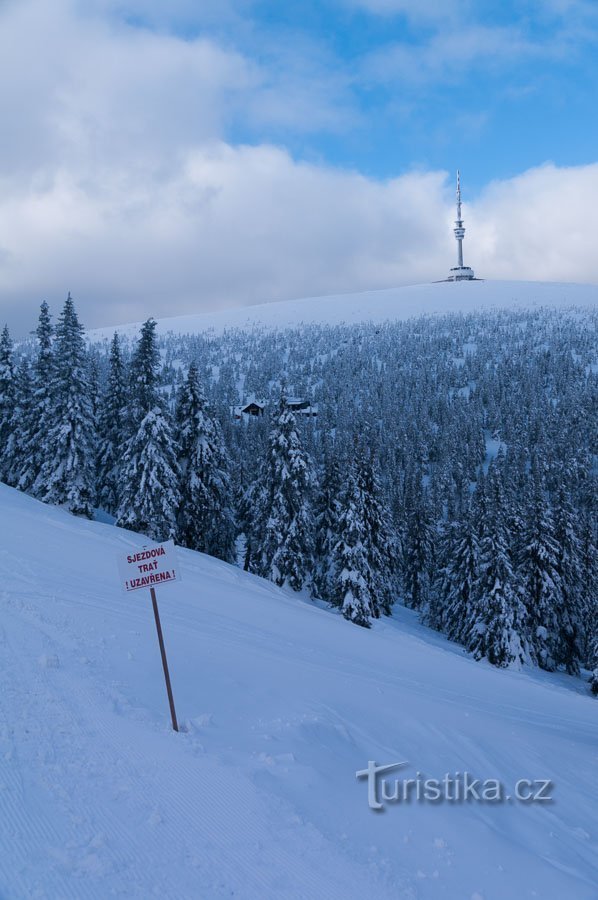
(67, 476)
(22, 421)
(112, 430)
(419, 551)
(382, 544)
(361, 546)
(594, 662)
(353, 582)
(576, 605)
(42, 412)
(144, 376)
(542, 584)
(455, 585)
(283, 530)
(327, 525)
(148, 489)
(149, 496)
(495, 628)
(205, 519)
(7, 400)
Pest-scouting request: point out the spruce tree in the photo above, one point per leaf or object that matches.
(7, 401)
(148, 489)
(594, 662)
(455, 584)
(144, 376)
(327, 524)
(382, 544)
(282, 535)
(542, 583)
(42, 411)
(353, 582)
(67, 476)
(576, 606)
(112, 430)
(149, 495)
(420, 549)
(22, 422)
(205, 519)
(496, 625)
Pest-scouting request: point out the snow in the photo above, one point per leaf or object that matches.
(282, 702)
(379, 306)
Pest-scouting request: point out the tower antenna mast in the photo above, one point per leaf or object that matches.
(460, 272)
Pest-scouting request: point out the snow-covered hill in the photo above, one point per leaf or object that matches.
(282, 703)
(379, 306)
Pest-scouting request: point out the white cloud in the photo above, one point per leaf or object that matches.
(540, 225)
(231, 226)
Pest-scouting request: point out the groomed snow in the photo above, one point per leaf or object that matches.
(282, 702)
(380, 306)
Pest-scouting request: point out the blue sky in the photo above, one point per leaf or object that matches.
(172, 157)
(495, 88)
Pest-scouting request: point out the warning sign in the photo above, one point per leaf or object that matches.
(146, 568)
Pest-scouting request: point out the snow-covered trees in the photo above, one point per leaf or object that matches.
(111, 428)
(282, 533)
(148, 485)
(18, 444)
(149, 493)
(353, 581)
(67, 474)
(419, 550)
(205, 517)
(7, 400)
(456, 581)
(327, 523)
(42, 418)
(410, 416)
(383, 543)
(594, 661)
(541, 582)
(576, 605)
(495, 625)
(363, 566)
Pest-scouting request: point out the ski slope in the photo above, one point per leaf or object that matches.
(378, 306)
(281, 702)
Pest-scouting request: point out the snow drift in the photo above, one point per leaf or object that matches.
(282, 702)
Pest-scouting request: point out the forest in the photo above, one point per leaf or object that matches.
(446, 463)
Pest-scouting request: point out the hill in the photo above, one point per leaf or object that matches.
(282, 702)
(378, 306)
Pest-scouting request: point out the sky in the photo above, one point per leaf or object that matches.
(169, 158)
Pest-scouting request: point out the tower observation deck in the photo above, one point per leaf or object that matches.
(460, 272)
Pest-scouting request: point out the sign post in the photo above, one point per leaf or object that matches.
(164, 661)
(144, 569)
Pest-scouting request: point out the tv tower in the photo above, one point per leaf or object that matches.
(460, 272)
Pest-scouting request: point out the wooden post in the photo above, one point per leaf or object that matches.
(164, 662)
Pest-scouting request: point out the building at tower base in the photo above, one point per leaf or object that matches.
(462, 273)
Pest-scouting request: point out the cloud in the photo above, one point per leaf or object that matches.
(91, 93)
(233, 225)
(240, 225)
(540, 225)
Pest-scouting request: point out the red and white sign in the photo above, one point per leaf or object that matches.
(155, 564)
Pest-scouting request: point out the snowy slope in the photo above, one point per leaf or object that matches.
(282, 702)
(379, 306)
